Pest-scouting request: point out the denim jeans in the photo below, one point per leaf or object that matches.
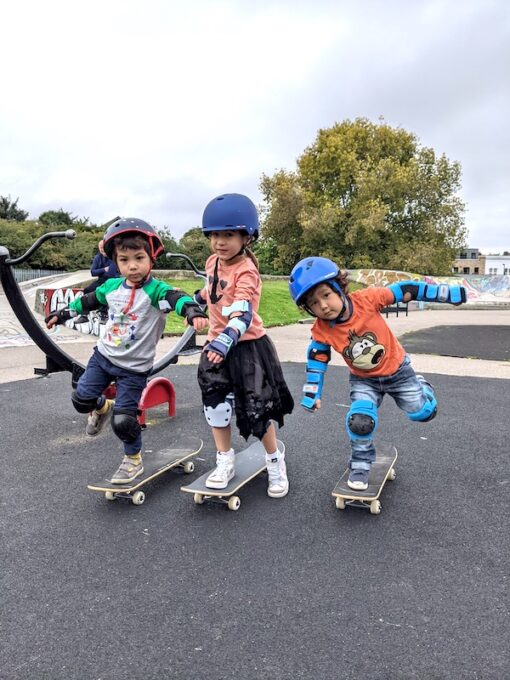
(129, 387)
(406, 390)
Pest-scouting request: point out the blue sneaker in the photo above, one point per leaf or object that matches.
(358, 480)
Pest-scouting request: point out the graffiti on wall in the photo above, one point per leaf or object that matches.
(48, 300)
(480, 289)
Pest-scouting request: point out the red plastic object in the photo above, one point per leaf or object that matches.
(158, 391)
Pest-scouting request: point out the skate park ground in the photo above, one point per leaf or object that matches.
(288, 588)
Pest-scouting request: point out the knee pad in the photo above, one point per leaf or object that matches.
(428, 411)
(81, 404)
(221, 414)
(126, 426)
(361, 420)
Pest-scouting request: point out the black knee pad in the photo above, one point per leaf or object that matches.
(83, 405)
(126, 426)
(361, 424)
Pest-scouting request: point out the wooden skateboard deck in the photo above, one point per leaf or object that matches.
(249, 463)
(154, 464)
(382, 470)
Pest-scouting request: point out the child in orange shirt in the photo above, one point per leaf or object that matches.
(378, 365)
(239, 368)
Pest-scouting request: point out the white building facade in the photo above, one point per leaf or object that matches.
(497, 265)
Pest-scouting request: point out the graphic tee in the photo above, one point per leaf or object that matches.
(131, 336)
(226, 284)
(365, 341)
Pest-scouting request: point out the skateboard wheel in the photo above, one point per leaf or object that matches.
(110, 496)
(234, 503)
(138, 498)
(188, 467)
(340, 503)
(375, 507)
(392, 474)
(198, 498)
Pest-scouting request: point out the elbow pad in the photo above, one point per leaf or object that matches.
(428, 292)
(319, 355)
(241, 322)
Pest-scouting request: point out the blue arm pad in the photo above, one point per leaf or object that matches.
(243, 311)
(319, 355)
(222, 344)
(429, 292)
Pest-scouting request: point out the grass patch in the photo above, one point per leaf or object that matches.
(276, 306)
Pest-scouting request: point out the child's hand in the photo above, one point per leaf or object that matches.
(214, 358)
(60, 316)
(199, 323)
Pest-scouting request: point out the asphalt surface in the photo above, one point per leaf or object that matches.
(477, 342)
(283, 588)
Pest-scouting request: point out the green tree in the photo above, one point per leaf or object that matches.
(368, 195)
(61, 218)
(9, 210)
(280, 219)
(196, 246)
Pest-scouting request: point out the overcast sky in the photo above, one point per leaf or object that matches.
(150, 108)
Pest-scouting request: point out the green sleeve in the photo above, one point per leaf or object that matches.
(157, 291)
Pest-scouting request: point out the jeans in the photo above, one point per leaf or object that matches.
(406, 390)
(129, 387)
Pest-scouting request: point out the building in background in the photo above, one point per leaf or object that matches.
(497, 265)
(469, 262)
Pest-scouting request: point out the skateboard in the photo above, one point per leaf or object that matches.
(382, 470)
(249, 463)
(154, 465)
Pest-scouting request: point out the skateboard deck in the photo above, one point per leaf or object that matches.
(382, 470)
(249, 463)
(154, 465)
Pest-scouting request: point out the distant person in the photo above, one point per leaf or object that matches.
(102, 267)
(239, 369)
(137, 305)
(352, 324)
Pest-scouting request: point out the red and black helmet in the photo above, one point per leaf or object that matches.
(132, 225)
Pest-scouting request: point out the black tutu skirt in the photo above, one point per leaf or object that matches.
(252, 372)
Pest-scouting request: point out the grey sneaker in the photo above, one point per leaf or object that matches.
(96, 421)
(128, 471)
(358, 479)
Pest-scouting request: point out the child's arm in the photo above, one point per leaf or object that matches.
(82, 305)
(318, 357)
(240, 314)
(185, 306)
(428, 292)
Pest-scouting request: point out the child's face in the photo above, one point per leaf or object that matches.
(135, 265)
(324, 303)
(227, 244)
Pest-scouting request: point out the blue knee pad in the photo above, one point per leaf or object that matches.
(429, 409)
(361, 420)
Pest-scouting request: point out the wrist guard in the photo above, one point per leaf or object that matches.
(62, 315)
(319, 355)
(429, 292)
(224, 342)
(198, 298)
(192, 312)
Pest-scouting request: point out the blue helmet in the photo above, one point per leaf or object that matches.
(309, 272)
(232, 212)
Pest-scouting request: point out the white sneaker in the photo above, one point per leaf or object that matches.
(224, 471)
(277, 474)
